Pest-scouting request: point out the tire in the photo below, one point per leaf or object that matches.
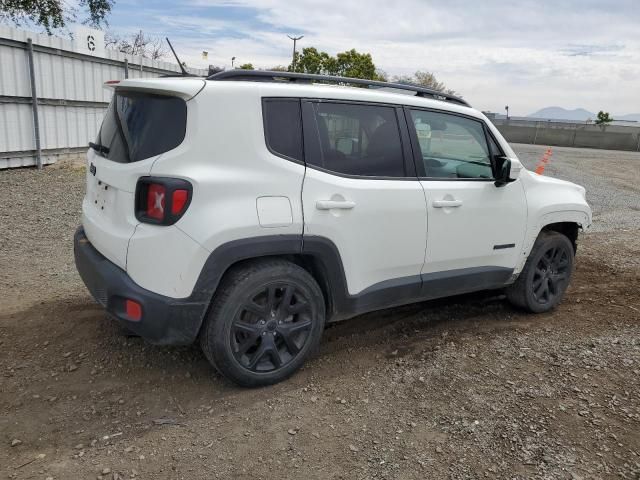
(266, 319)
(546, 274)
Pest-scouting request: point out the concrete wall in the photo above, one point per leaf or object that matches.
(71, 97)
(611, 137)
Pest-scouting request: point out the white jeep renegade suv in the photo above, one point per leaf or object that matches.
(249, 209)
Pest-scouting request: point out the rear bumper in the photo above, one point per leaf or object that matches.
(165, 320)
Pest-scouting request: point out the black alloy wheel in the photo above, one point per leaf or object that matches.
(551, 274)
(546, 274)
(265, 321)
(271, 327)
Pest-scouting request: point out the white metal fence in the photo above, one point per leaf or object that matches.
(71, 100)
(565, 134)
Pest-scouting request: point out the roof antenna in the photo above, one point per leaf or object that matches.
(184, 72)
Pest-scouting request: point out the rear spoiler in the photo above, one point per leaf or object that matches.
(184, 87)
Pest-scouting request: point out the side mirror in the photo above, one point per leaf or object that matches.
(504, 171)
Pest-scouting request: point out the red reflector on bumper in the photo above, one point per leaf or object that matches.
(133, 310)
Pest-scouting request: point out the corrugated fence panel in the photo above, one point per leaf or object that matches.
(14, 74)
(77, 79)
(16, 133)
(69, 127)
(61, 75)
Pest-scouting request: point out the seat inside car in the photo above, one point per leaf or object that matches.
(384, 153)
(333, 159)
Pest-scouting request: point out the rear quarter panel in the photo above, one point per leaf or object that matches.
(229, 166)
(225, 158)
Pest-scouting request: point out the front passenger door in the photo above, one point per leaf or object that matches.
(472, 224)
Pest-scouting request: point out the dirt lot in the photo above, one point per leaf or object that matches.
(460, 388)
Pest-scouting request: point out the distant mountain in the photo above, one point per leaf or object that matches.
(579, 114)
(559, 113)
(634, 117)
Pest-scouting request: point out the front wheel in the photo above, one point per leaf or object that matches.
(546, 274)
(265, 321)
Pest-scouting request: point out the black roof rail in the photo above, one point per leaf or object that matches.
(269, 76)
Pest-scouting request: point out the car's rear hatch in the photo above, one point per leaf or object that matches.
(145, 119)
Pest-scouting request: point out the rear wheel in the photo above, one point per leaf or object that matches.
(266, 319)
(546, 274)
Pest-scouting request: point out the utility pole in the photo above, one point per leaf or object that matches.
(295, 39)
(233, 59)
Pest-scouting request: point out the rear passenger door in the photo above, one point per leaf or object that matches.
(475, 229)
(361, 192)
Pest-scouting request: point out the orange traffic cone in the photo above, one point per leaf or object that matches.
(546, 157)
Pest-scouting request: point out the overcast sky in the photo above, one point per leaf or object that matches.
(527, 54)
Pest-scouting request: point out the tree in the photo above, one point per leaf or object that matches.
(310, 61)
(138, 44)
(346, 64)
(52, 14)
(425, 79)
(355, 65)
(246, 66)
(381, 75)
(213, 69)
(603, 118)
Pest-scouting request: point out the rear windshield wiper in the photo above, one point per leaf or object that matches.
(99, 148)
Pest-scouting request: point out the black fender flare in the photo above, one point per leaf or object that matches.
(313, 251)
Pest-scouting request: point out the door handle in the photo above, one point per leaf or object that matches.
(334, 204)
(447, 203)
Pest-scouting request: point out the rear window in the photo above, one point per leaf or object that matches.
(141, 125)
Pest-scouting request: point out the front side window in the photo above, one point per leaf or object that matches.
(451, 146)
(141, 125)
(361, 140)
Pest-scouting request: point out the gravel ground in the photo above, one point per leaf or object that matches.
(459, 388)
(612, 180)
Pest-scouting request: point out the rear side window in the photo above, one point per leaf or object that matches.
(283, 127)
(360, 140)
(141, 125)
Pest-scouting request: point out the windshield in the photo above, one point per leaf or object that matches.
(141, 125)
